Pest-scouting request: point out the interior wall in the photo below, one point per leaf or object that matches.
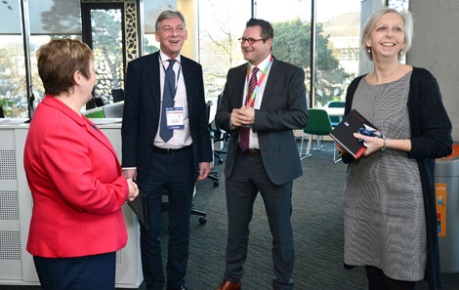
(435, 47)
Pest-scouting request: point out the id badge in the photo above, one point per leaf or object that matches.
(175, 118)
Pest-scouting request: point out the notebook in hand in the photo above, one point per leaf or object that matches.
(140, 207)
(343, 133)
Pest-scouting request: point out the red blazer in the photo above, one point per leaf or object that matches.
(77, 188)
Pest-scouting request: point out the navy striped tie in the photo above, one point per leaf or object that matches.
(168, 101)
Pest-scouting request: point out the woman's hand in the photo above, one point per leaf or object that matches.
(373, 144)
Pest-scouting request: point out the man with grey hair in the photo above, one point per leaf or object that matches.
(166, 145)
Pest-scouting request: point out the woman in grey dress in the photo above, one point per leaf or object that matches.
(389, 201)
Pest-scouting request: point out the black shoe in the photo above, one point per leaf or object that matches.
(177, 288)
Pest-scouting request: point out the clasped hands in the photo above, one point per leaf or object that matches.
(133, 189)
(244, 116)
(131, 175)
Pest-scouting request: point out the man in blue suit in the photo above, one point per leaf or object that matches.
(264, 100)
(166, 145)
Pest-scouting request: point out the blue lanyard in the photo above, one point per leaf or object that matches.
(178, 74)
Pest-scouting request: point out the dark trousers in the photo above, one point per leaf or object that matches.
(95, 272)
(172, 173)
(247, 179)
(378, 281)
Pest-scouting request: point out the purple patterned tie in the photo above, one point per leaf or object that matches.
(244, 132)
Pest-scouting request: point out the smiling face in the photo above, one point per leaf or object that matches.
(259, 50)
(171, 35)
(387, 38)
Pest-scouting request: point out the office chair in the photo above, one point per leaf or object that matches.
(117, 95)
(335, 120)
(319, 124)
(219, 135)
(99, 102)
(213, 175)
(200, 213)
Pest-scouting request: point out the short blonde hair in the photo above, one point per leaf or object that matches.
(371, 22)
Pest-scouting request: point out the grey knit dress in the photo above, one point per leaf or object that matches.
(383, 205)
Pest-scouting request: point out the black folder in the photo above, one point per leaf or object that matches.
(140, 207)
(344, 133)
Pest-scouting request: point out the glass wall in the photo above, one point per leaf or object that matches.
(337, 28)
(13, 88)
(221, 22)
(337, 49)
(151, 11)
(44, 26)
(107, 45)
(18, 51)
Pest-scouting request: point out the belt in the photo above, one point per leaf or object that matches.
(253, 152)
(168, 151)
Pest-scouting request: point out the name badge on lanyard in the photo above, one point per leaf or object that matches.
(174, 117)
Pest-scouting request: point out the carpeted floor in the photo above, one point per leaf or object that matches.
(318, 228)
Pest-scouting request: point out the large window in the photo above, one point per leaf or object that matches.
(13, 88)
(330, 57)
(221, 23)
(103, 32)
(151, 11)
(336, 56)
(337, 49)
(18, 69)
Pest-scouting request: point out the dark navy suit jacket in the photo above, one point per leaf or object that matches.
(282, 110)
(142, 107)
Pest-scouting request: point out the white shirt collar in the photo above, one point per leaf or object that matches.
(261, 66)
(164, 58)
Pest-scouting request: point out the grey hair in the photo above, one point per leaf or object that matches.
(371, 22)
(169, 14)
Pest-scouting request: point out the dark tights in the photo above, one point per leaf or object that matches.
(378, 281)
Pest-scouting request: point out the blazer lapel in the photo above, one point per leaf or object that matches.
(239, 85)
(153, 81)
(190, 79)
(95, 132)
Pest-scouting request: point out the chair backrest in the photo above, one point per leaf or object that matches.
(319, 122)
(336, 104)
(99, 102)
(208, 108)
(118, 95)
(335, 119)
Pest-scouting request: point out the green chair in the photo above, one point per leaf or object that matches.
(335, 120)
(319, 125)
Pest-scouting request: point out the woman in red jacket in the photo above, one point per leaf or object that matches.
(74, 175)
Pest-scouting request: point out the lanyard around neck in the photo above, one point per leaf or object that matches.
(178, 73)
(260, 81)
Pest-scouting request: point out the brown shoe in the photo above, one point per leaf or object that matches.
(228, 285)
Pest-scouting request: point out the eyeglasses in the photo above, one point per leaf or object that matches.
(251, 41)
